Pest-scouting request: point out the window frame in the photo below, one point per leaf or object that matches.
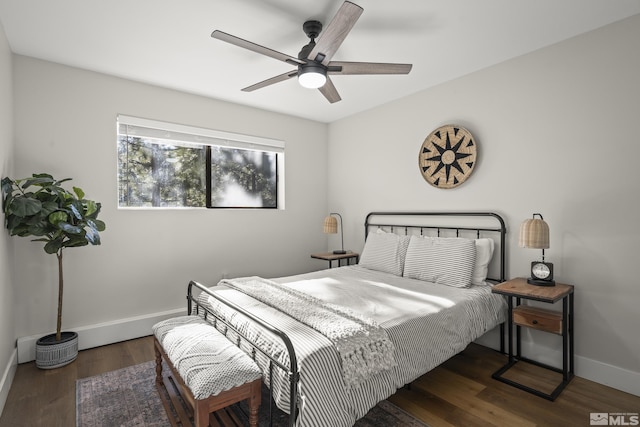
(160, 130)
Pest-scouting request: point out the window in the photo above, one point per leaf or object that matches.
(169, 165)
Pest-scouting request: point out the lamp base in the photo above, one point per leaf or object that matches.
(339, 252)
(538, 282)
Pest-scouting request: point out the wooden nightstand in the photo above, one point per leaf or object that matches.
(330, 256)
(560, 323)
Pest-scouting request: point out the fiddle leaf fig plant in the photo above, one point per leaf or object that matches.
(40, 207)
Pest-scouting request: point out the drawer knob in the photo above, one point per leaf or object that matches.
(535, 322)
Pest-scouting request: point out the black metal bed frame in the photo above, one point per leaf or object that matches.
(292, 369)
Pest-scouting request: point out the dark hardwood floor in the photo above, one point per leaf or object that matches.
(460, 392)
(48, 397)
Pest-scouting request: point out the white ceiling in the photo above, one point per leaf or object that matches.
(167, 42)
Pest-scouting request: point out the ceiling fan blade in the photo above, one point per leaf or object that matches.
(217, 34)
(334, 34)
(367, 68)
(329, 91)
(272, 80)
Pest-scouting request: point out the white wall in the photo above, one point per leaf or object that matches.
(7, 333)
(557, 133)
(65, 124)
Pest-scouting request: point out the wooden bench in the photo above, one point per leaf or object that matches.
(211, 372)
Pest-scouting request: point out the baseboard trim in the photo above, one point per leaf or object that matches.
(609, 375)
(592, 370)
(140, 326)
(102, 333)
(7, 378)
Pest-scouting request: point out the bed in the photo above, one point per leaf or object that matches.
(333, 343)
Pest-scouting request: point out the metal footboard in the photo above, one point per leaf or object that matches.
(291, 370)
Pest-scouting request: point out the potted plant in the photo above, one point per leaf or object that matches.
(40, 207)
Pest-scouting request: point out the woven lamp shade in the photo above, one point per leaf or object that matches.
(330, 225)
(534, 233)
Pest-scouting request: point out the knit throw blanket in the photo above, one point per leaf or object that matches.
(363, 346)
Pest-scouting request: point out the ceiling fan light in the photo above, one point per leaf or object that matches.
(312, 77)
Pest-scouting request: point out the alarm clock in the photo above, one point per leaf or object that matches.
(541, 274)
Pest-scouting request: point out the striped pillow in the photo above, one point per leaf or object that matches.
(442, 260)
(384, 252)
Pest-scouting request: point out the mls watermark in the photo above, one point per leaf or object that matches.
(614, 419)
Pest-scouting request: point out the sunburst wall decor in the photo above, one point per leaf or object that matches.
(447, 156)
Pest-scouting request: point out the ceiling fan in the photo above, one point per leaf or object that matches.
(314, 63)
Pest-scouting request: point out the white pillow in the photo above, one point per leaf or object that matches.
(484, 253)
(442, 260)
(384, 252)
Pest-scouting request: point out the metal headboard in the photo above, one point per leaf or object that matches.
(458, 224)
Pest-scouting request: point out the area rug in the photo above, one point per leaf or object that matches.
(129, 397)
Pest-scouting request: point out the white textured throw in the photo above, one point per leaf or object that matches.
(205, 359)
(363, 346)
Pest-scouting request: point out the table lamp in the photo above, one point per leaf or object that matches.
(331, 227)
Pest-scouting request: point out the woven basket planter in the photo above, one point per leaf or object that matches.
(52, 354)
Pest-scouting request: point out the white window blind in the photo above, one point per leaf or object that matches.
(172, 132)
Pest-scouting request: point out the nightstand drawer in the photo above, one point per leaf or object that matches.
(538, 318)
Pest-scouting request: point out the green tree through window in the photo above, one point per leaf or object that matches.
(243, 177)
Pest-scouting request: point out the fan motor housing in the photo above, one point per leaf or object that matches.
(312, 67)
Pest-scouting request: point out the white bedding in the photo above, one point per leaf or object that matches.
(427, 324)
